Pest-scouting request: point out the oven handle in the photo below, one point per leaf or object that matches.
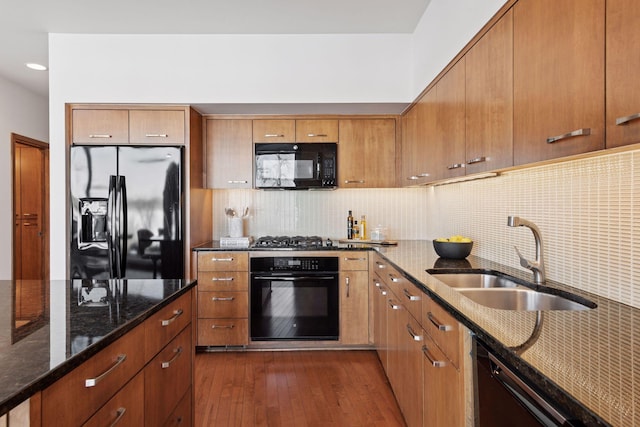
(295, 278)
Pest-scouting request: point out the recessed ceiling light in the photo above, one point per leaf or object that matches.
(34, 66)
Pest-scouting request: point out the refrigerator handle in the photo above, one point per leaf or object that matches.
(111, 226)
(122, 224)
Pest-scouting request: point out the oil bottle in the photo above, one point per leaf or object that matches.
(350, 225)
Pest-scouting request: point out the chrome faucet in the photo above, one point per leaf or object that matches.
(537, 266)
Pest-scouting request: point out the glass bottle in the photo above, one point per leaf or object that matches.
(350, 226)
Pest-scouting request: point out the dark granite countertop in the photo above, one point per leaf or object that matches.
(70, 321)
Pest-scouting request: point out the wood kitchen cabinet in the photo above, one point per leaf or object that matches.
(229, 153)
(354, 298)
(418, 133)
(274, 130)
(489, 99)
(100, 126)
(558, 78)
(623, 61)
(367, 153)
(155, 127)
(317, 130)
(379, 293)
(223, 298)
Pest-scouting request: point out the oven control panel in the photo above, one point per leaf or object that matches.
(288, 264)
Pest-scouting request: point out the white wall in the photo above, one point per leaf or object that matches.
(25, 113)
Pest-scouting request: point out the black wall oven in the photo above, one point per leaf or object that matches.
(294, 298)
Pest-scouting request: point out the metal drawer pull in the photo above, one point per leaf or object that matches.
(177, 313)
(409, 296)
(413, 178)
(414, 336)
(157, 135)
(320, 135)
(435, 363)
(380, 265)
(119, 414)
(177, 351)
(393, 306)
(578, 132)
(237, 182)
(376, 282)
(393, 279)
(273, 135)
(383, 292)
(222, 326)
(440, 326)
(346, 279)
(92, 382)
(222, 279)
(222, 299)
(222, 259)
(455, 166)
(354, 181)
(477, 160)
(355, 259)
(627, 119)
(29, 224)
(98, 135)
(423, 175)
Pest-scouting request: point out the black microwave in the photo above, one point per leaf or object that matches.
(296, 166)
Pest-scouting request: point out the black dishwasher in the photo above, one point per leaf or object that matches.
(504, 399)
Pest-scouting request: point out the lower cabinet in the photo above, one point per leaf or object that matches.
(354, 298)
(123, 409)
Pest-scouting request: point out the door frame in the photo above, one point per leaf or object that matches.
(16, 140)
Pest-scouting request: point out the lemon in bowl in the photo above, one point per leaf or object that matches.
(454, 247)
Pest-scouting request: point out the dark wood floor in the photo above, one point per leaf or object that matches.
(293, 388)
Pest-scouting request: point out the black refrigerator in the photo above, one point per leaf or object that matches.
(126, 212)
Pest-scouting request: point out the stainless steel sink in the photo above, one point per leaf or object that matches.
(476, 280)
(521, 299)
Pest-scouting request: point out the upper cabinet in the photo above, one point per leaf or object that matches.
(121, 126)
(274, 130)
(418, 130)
(558, 78)
(229, 153)
(367, 153)
(323, 130)
(489, 99)
(623, 62)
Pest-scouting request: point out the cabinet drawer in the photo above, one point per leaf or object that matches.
(223, 280)
(181, 415)
(316, 131)
(166, 378)
(124, 409)
(156, 127)
(100, 126)
(217, 332)
(274, 131)
(223, 305)
(70, 401)
(354, 261)
(411, 298)
(443, 328)
(166, 324)
(223, 261)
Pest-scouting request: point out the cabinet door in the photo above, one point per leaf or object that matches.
(354, 307)
(223, 304)
(156, 127)
(317, 130)
(100, 126)
(126, 408)
(274, 131)
(223, 261)
(419, 130)
(160, 328)
(367, 153)
(489, 99)
(379, 293)
(229, 153)
(623, 62)
(221, 332)
(449, 143)
(558, 78)
(411, 366)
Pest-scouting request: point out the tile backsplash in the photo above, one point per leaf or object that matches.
(586, 211)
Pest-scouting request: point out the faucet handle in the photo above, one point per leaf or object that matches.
(523, 261)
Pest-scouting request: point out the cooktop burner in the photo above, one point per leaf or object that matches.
(291, 242)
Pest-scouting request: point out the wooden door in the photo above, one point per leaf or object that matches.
(354, 307)
(229, 158)
(322, 130)
(623, 62)
(558, 78)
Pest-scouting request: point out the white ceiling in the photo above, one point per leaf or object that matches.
(24, 24)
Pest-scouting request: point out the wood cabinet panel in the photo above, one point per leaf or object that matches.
(223, 332)
(322, 130)
(411, 368)
(418, 139)
(274, 130)
(223, 261)
(443, 328)
(229, 153)
(489, 99)
(156, 127)
(558, 77)
(182, 415)
(125, 409)
(223, 281)
(166, 324)
(354, 261)
(623, 62)
(354, 307)
(223, 305)
(380, 294)
(100, 126)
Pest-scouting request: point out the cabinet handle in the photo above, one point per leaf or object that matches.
(222, 326)
(627, 119)
(156, 135)
(414, 336)
(177, 313)
(92, 382)
(346, 279)
(455, 166)
(435, 363)
(409, 296)
(354, 181)
(381, 265)
(393, 278)
(98, 135)
(354, 259)
(273, 135)
(418, 176)
(232, 181)
(319, 135)
(477, 160)
(119, 414)
(376, 282)
(440, 326)
(177, 351)
(222, 259)
(29, 224)
(393, 306)
(222, 299)
(578, 132)
(222, 279)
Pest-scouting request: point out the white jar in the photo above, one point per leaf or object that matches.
(379, 233)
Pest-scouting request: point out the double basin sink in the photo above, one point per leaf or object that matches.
(499, 291)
